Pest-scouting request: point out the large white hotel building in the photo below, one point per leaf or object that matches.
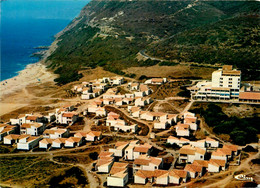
(225, 85)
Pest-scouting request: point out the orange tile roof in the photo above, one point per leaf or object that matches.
(113, 115)
(94, 133)
(151, 174)
(188, 150)
(31, 138)
(185, 126)
(53, 131)
(231, 147)
(144, 88)
(73, 139)
(201, 162)
(190, 119)
(217, 162)
(12, 136)
(118, 167)
(141, 149)
(32, 118)
(184, 139)
(105, 154)
(200, 151)
(140, 161)
(29, 125)
(157, 80)
(102, 162)
(193, 168)
(69, 114)
(81, 134)
(173, 138)
(121, 144)
(249, 95)
(60, 140)
(226, 151)
(218, 153)
(47, 141)
(178, 173)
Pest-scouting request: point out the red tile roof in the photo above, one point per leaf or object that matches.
(249, 95)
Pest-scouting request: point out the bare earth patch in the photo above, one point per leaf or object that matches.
(177, 71)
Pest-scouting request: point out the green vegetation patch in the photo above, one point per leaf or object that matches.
(73, 177)
(232, 41)
(241, 130)
(29, 170)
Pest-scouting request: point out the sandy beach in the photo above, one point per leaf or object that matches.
(33, 74)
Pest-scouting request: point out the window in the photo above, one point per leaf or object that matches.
(230, 79)
(201, 156)
(221, 82)
(230, 82)
(221, 78)
(221, 85)
(229, 85)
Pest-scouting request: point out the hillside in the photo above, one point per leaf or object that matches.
(233, 41)
(111, 33)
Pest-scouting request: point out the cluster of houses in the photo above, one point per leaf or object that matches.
(29, 130)
(146, 168)
(195, 153)
(96, 87)
(160, 120)
(131, 153)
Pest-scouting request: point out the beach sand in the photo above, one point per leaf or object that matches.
(33, 74)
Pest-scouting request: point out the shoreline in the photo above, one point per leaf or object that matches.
(35, 73)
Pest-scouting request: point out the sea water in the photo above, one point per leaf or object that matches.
(26, 24)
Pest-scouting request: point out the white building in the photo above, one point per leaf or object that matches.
(145, 162)
(225, 85)
(73, 142)
(27, 142)
(178, 176)
(33, 129)
(45, 143)
(55, 132)
(160, 177)
(11, 139)
(188, 154)
(64, 117)
(118, 176)
(6, 129)
(119, 149)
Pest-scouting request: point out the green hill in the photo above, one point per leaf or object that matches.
(111, 33)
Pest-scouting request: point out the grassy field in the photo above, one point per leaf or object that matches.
(40, 172)
(28, 171)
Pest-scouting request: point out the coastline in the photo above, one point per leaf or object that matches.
(35, 73)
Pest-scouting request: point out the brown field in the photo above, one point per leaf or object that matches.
(177, 71)
(170, 89)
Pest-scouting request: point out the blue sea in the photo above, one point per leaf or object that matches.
(26, 24)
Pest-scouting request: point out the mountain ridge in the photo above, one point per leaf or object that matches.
(110, 34)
